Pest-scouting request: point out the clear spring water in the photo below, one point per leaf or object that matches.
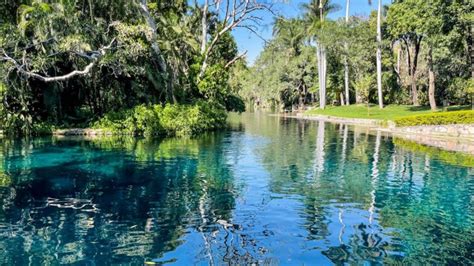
(270, 191)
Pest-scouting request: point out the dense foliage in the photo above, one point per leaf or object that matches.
(69, 63)
(172, 119)
(426, 57)
(458, 117)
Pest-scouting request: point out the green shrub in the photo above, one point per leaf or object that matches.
(42, 129)
(444, 118)
(172, 119)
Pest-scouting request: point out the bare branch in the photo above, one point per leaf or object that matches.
(237, 12)
(252, 30)
(231, 62)
(21, 67)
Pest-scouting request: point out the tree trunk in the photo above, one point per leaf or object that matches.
(204, 26)
(322, 63)
(346, 60)
(413, 72)
(414, 91)
(346, 81)
(156, 48)
(412, 66)
(300, 100)
(322, 75)
(91, 11)
(154, 38)
(470, 49)
(379, 54)
(431, 78)
(399, 55)
(358, 97)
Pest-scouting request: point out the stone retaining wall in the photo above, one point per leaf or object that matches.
(453, 131)
(445, 143)
(342, 120)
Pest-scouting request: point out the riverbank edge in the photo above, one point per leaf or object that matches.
(456, 137)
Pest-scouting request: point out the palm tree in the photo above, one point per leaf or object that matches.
(291, 32)
(379, 52)
(316, 12)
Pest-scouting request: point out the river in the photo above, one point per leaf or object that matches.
(269, 190)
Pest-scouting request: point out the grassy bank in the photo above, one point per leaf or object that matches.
(390, 112)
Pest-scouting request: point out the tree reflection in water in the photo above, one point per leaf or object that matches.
(270, 191)
(369, 199)
(117, 199)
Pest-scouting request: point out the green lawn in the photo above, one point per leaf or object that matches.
(390, 112)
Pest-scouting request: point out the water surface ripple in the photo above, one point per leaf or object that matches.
(269, 191)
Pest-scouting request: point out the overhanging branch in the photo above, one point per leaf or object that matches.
(21, 67)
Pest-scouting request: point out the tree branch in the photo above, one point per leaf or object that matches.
(236, 13)
(235, 59)
(21, 67)
(154, 38)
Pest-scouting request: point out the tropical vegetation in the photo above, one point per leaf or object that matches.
(159, 67)
(73, 63)
(411, 52)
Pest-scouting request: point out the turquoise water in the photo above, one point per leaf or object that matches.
(269, 191)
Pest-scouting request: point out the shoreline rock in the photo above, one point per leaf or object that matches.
(81, 132)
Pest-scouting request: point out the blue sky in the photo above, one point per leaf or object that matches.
(248, 41)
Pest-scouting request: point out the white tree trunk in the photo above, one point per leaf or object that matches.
(379, 54)
(324, 74)
(322, 65)
(204, 26)
(153, 37)
(346, 60)
(320, 68)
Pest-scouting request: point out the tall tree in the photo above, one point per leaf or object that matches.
(316, 12)
(322, 66)
(401, 19)
(346, 59)
(379, 54)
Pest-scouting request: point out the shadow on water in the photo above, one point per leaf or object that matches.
(269, 191)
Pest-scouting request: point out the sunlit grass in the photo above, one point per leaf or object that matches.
(390, 112)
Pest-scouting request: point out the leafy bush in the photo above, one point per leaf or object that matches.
(42, 129)
(459, 91)
(172, 119)
(458, 117)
